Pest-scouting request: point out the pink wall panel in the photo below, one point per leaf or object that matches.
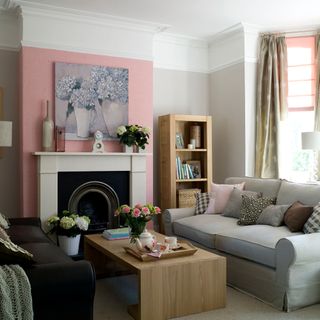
(37, 86)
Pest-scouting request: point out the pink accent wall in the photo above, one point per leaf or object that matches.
(37, 86)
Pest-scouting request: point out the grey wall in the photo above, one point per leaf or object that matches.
(250, 115)
(227, 107)
(9, 164)
(177, 92)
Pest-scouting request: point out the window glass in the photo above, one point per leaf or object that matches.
(295, 163)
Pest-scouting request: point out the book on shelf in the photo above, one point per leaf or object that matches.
(183, 170)
(114, 234)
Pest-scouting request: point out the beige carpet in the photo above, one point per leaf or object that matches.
(114, 294)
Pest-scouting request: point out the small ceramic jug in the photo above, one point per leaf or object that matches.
(146, 241)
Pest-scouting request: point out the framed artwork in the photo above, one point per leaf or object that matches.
(179, 141)
(89, 98)
(195, 167)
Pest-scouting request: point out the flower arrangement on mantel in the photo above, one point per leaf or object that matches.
(134, 134)
(68, 224)
(137, 217)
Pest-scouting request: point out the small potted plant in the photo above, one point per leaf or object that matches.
(134, 135)
(68, 227)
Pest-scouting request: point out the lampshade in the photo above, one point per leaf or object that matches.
(5, 133)
(310, 140)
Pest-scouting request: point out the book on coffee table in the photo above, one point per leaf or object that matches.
(114, 234)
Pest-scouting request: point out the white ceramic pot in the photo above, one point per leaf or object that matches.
(70, 245)
(127, 149)
(115, 115)
(83, 121)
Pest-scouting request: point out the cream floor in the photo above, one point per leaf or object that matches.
(114, 294)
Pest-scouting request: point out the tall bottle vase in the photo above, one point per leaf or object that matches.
(48, 131)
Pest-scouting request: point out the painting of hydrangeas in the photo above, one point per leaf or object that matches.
(90, 98)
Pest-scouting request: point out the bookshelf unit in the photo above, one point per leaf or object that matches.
(170, 184)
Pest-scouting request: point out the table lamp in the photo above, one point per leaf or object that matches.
(5, 133)
(311, 141)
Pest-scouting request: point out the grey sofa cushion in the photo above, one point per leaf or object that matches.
(268, 187)
(256, 243)
(203, 228)
(233, 206)
(290, 192)
(273, 215)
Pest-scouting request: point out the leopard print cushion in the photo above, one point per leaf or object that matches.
(251, 208)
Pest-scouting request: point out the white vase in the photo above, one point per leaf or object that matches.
(115, 115)
(127, 149)
(83, 121)
(70, 245)
(48, 131)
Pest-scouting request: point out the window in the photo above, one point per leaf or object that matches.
(295, 163)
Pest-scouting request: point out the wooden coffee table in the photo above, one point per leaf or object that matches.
(168, 288)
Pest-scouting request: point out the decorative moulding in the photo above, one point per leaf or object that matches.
(178, 52)
(59, 28)
(10, 30)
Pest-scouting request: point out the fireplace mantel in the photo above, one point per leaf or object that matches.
(51, 163)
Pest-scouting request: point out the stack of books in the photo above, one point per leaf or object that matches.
(183, 170)
(116, 234)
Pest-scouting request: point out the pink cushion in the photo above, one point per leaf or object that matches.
(221, 193)
(211, 206)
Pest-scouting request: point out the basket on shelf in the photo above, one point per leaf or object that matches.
(186, 197)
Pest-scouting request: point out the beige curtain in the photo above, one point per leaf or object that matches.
(271, 104)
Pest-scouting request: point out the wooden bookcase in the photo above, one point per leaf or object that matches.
(169, 125)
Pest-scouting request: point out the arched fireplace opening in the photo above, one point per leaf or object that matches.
(98, 201)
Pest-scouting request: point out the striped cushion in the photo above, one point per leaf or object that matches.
(313, 223)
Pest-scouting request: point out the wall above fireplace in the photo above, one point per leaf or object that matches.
(51, 163)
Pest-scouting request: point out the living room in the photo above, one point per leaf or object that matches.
(185, 57)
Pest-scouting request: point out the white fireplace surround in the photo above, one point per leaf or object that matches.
(50, 163)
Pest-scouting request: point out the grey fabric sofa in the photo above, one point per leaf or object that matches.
(273, 264)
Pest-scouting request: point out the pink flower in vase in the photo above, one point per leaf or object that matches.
(157, 210)
(126, 209)
(138, 205)
(136, 212)
(145, 210)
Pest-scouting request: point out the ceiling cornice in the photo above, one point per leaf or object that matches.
(89, 17)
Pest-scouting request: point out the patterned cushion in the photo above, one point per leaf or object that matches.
(202, 201)
(11, 253)
(4, 222)
(251, 208)
(313, 223)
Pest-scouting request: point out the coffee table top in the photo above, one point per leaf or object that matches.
(115, 250)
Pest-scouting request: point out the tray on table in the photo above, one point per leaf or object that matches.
(185, 249)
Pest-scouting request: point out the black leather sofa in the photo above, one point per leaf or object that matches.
(61, 288)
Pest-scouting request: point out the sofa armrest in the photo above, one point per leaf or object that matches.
(171, 215)
(25, 221)
(73, 283)
(296, 253)
(299, 249)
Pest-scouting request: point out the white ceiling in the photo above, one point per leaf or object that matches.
(203, 18)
